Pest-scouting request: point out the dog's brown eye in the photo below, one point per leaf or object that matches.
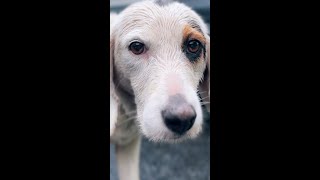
(137, 48)
(193, 46)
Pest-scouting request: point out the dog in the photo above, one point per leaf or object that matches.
(159, 78)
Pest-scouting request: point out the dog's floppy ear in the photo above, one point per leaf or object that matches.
(204, 86)
(114, 100)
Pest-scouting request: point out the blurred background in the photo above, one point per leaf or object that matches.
(189, 160)
(201, 6)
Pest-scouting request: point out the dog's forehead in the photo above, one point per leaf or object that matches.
(149, 16)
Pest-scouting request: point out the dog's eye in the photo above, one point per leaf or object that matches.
(193, 46)
(137, 48)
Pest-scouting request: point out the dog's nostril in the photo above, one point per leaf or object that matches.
(180, 119)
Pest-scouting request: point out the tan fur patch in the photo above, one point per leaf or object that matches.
(190, 32)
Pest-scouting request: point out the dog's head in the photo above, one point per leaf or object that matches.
(160, 55)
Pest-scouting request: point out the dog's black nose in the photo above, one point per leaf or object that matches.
(179, 116)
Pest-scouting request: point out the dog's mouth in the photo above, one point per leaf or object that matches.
(173, 138)
(166, 135)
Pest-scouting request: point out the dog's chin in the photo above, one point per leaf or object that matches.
(167, 136)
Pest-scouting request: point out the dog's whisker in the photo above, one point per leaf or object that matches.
(119, 82)
(202, 92)
(130, 118)
(127, 114)
(204, 97)
(204, 103)
(130, 113)
(125, 121)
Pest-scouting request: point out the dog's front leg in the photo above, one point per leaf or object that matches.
(128, 160)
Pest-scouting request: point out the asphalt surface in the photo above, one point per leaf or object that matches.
(188, 160)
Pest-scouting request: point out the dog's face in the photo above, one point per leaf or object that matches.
(159, 54)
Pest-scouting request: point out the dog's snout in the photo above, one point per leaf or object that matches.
(178, 115)
(180, 119)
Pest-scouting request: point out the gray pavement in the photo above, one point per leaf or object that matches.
(185, 161)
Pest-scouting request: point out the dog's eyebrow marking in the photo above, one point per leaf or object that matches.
(189, 32)
(195, 25)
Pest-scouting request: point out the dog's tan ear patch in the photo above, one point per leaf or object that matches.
(189, 32)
